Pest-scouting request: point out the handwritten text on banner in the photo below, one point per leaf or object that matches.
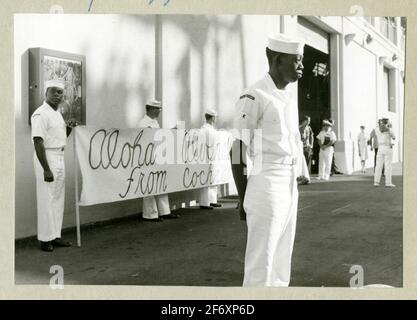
(122, 164)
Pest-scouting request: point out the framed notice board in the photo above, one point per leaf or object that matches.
(46, 64)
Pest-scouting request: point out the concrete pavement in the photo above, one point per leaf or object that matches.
(342, 222)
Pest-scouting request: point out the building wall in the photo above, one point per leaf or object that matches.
(363, 88)
(207, 61)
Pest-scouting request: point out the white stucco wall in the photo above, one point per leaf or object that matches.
(207, 61)
(363, 90)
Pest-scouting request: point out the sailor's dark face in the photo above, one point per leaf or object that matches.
(290, 66)
(383, 126)
(54, 96)
(153, 112)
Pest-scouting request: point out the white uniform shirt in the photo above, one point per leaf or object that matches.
(323, 135)
(384, 138)
(50, 126)
(148, 122)
(210, 132)
(207, 126)
(264, 106)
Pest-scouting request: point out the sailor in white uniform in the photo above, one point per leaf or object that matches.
(208, 195)
(269, 194)
(49, 135)
(385, 137)
(326, 139)
(154, 207)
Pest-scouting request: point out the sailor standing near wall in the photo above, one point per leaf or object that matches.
(385, 137)
(49, 134)
(154, 208)
(208, 195)
(269, 195)
(326, 140)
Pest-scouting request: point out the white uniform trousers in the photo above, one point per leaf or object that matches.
(302, 167)
(384, 159)
(155, 206)
(270, 203)
(207, 195)
(50, 195)
(325, 162)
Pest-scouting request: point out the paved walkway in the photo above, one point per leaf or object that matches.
(341, 223)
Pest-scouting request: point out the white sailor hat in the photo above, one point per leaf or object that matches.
(54, 83)
(279, 42)
(327, 123)
(211, 112)
(154, 103)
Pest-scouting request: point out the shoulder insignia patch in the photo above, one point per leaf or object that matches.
(247, 96)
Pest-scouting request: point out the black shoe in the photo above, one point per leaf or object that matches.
(153, 220)
(216, 205)
(338, 172)
(58, 242)
(206, 207)
(46, 246)
(171, 216)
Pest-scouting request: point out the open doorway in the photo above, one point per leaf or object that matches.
(314, 94)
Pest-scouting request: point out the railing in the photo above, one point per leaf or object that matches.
(388, 28)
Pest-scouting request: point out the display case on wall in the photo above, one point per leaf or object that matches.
(46, 64)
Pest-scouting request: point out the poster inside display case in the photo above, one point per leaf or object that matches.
(46, 64)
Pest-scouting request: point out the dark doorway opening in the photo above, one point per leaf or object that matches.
(314, 94)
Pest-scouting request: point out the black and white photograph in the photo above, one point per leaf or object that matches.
(216, 150)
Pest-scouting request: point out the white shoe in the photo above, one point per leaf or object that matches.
(318, 178)
(376, 184)
(390, 185)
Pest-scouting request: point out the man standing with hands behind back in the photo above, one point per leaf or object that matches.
(49, 134)
(154, 208)
(269, 196)
(208, 195)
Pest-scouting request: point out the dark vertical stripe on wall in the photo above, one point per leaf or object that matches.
(242, 51)
(335, 85)
(158, 63)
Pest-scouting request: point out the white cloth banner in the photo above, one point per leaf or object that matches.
(122, 164)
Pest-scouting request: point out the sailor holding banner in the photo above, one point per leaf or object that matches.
(269, 194)
(155, 208)
(49, 134)
(208, 195)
